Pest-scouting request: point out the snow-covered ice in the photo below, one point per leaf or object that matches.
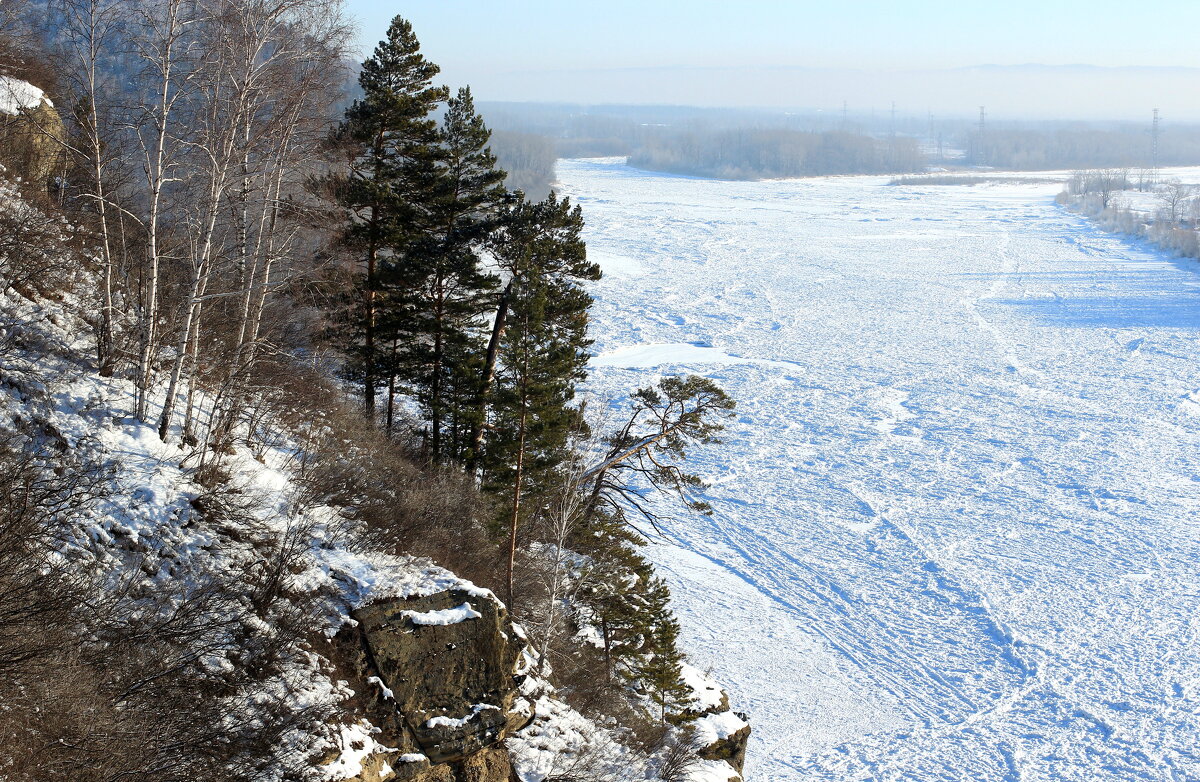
(955, 531)
(642, 356)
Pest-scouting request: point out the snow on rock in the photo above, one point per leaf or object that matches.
(707, 695)
(17, 95)
(451, 722)
(448, 616)
(712, 728)
(711, 771)
(384, 692)
(151, 530)
(355, 745)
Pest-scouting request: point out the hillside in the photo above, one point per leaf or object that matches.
(218, 618)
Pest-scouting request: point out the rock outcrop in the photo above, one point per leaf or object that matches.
(32, 133)
(438, 676)
(721, 734)
(729, 740)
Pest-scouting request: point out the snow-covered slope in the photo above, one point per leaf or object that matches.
(149, 533)
(160, 533)
(955, 532)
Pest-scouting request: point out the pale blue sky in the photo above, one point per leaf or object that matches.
(513, 49)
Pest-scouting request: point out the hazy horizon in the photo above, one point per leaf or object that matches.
(1029, 60)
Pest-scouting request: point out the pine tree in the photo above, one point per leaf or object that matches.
(666, 419)
(659, 668)
(630, 606)
(440, 290)
(543, 352)
(392, 144)
(614, 594)
(534, 240)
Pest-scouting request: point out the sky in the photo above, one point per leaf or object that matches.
(812, 54)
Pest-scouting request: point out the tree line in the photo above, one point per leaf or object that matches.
(1043, 149)
(766, 154)
(1170, 223)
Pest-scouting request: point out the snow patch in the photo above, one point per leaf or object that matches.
(17, 96)
(386, 693)
(355, 743)
(706, 692)
(712, 728)
(451, 722)
(448, 616)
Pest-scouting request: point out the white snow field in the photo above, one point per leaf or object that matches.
(955, 532)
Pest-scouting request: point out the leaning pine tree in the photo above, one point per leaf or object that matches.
(391, 143)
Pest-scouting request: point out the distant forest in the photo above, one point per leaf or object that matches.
(1048, 148)
(760, 144)
(766, 154)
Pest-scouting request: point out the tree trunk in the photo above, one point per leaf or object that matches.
(435, 389)
(489, 374)
(156, 171)
(516, 505)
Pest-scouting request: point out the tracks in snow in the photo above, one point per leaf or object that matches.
(969, 500)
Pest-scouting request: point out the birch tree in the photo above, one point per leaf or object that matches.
(161, 47)
(92, 32)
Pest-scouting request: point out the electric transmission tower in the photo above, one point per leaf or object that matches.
(1154, 149)
(982, 136)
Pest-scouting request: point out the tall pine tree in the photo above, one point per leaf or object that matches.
(392, 148)
(534, 240)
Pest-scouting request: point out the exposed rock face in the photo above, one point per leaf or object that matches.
(731, 749)
(31, 136)
(437, 675)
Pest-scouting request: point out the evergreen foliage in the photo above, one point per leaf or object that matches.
(659, 670)
(534, 240)
(645, 452)
(542, 354)
(393, 155)
(428, 205)
(440, 294)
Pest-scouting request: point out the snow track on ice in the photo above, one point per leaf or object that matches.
(955, 531)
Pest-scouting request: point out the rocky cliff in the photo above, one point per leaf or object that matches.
(404, 671)
(32, 134)
(438, 676)
(443, 682)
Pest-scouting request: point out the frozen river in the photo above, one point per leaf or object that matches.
(956, 531)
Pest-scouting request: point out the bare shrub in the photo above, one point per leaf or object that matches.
(678, 755)
(390, 502)
(108, 674)
(34, 258)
